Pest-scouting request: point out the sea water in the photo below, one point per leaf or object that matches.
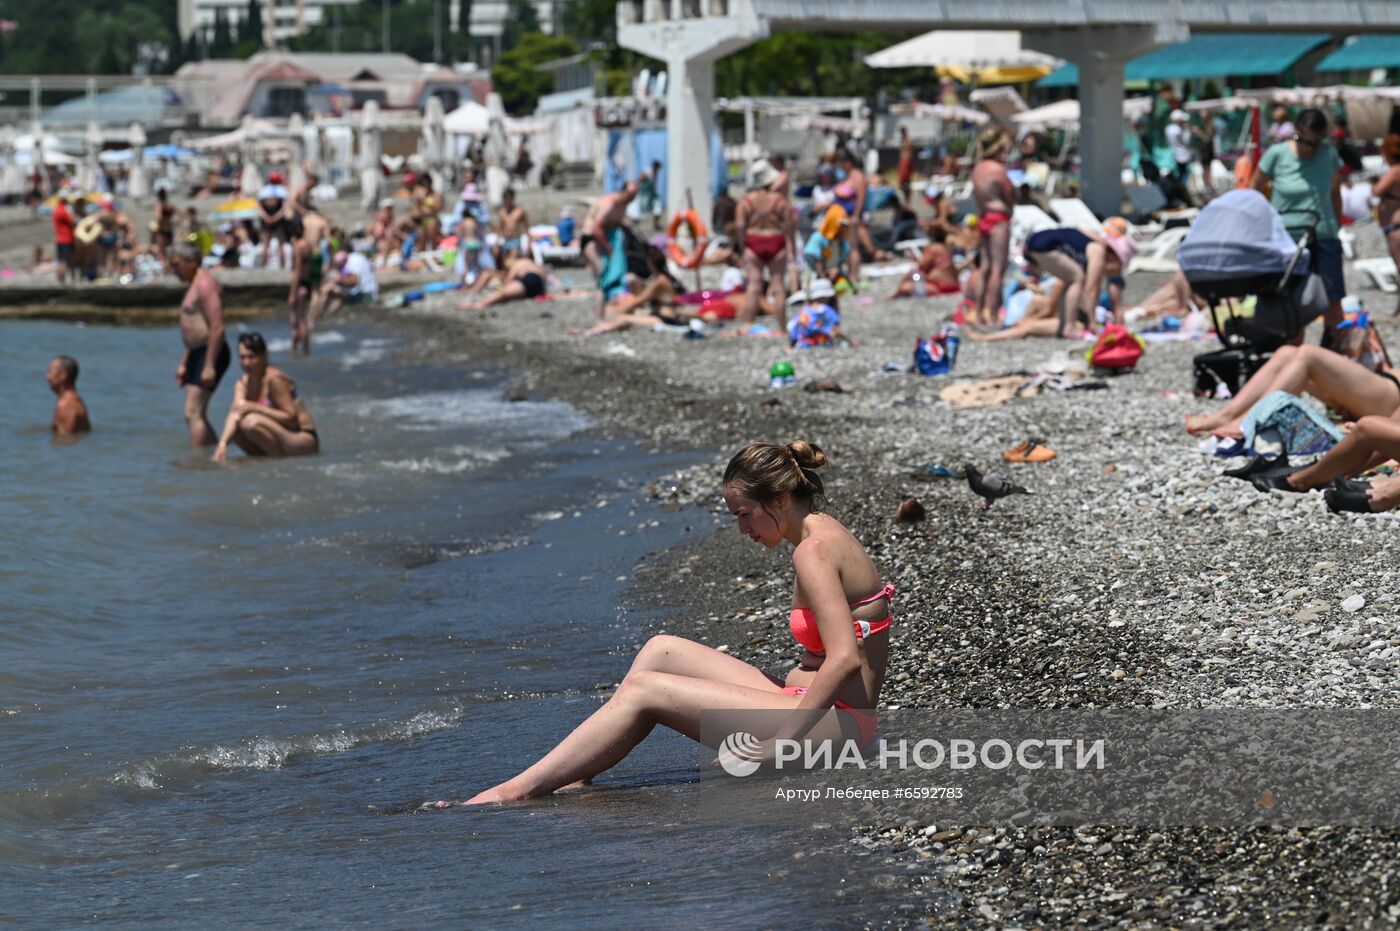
(224, 691)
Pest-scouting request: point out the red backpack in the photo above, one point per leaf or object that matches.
(1118, 348)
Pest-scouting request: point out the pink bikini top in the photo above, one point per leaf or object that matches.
(803, 623)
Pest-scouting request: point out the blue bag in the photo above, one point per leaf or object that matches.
(935, 355)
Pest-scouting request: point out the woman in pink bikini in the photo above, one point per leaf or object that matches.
(764, 223)
(840, 618)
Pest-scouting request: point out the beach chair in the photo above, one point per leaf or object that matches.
(1074, 212)
(1027, 219)
(914, 248)
(1348, 240)
(1381, 271)
(1159, 255)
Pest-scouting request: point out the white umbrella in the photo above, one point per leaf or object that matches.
(136, 187)
(250, 182)
(433, 145)
(315, 149)
(470, 119)
(91, 172)
(961, 49)
(11, 178)
(497, 151)
(296, 132)
(1066, 112)
(371, 173)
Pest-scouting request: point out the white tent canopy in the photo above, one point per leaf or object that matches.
(470, 119)
(963, 49)
(1066, 113)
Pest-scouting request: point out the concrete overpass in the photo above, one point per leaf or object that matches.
(1100, 36)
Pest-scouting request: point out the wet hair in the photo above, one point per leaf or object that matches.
(508, 192)
(1314, 121)
(253, 342)
(69, 366)
(763, 471)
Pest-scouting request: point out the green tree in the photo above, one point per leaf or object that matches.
(252, 28)
(221, 43)
(521, 20)
(516, 76)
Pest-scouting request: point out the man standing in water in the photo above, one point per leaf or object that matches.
(607, 214)
(995, 198)
(308, 271)
(70, 414)
(206, 355)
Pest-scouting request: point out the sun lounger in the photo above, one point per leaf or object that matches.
(1074, 212)
(1348, 240)
(1027, 219)
(914, 248)
(1159, 255)
(1381, 271)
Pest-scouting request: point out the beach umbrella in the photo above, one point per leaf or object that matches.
(371, 173)
(91, 170)
(136, 187)
(238, 208)
(11, 178)
(251, 182)
(433, 145)
(313, 140)
(296, 142)
(166, 150)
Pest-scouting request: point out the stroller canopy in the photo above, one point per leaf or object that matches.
(1237, 234)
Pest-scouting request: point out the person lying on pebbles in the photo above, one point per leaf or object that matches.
(1335, 380)
(840, 618)
(523, 280)
(1370, 442)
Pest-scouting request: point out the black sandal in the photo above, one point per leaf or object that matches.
(1257, 466)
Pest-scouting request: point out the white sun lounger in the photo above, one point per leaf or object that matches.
(1159, 255)
(1381, 271)
(1074, 212)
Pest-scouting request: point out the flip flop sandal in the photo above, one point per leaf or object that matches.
(1029, 451)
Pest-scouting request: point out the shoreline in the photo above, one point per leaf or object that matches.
(1070, 597)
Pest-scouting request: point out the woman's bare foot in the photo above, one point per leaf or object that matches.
(1197, 424)
(1230, 430)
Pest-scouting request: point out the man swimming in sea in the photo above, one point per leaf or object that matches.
(206, 355)
(70, 414)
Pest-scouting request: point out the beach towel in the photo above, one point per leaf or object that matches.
(1284, 420)
(614, 277)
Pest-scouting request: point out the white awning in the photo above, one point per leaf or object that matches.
(961, 49)
(1066, 112)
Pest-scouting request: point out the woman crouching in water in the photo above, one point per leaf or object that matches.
(267, 418)
(840, 618)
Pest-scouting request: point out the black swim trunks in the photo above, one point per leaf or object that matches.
(1390, 378)
(534, 284)
(584, 240)
(194, 365)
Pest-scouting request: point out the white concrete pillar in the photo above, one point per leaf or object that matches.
(690, 120)
(750, 149)
(1101, 134)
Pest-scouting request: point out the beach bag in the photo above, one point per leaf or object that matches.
(1118, 348)
(935, 355)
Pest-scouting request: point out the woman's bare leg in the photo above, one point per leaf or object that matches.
(1040, 326)
(645, 699)
(753, 268)
(1370, 439)
(260, 435)
(510, 291)
(1330, 378)
(777, 291)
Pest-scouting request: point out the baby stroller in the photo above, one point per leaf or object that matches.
(1239, 246)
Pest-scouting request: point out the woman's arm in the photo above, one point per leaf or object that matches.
(235, 414)
(820, 584)
(284, 406)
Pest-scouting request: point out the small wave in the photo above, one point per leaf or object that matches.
(189, 766)
(370, 350)
(539, 420)
(455, 461)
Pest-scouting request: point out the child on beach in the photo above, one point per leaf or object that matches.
(840, 618)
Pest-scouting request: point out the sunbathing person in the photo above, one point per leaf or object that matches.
(936, 268)
(1081, 261)
(840, 618)
(1334, 380)
(267, 418)
(1040, 316)
(1175, 298)
(70, 414)
(1370, 442)
(523, 280)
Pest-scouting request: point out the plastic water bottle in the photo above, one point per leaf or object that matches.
(920, 287)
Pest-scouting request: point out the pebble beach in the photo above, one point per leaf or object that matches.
(1132, 575)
